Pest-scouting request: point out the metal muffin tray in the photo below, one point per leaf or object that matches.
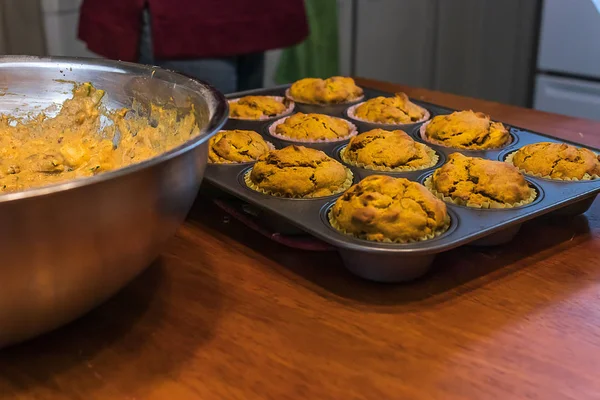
(389, 262)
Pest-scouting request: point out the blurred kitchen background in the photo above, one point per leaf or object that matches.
(543, 54)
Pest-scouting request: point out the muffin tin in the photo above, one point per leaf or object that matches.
(389, 262)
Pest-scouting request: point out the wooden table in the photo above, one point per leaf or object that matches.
(224, 314)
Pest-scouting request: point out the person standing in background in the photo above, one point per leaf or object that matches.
(219, 41)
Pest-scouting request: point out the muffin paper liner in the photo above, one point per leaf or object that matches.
(352, 114)
(434, 160)
(423, 135)
(586, 177)
(273, 127)
(432, 235)
(269, 144)
(347, 183)
(291, 98)
(281, 99)
(486, 205)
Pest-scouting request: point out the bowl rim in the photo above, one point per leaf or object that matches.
(215, 123)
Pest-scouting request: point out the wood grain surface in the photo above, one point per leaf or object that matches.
(224, 314)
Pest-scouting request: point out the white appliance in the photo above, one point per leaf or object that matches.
(568, 77)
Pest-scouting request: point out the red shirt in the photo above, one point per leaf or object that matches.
(192, 28)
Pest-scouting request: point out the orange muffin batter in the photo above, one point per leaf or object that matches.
(73, 145)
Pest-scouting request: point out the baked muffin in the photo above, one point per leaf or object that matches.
(384, 209)
(302, 127)
(557, 161)
(298, 172)
(388, 151)
(480, 183)
(259, 107)
(466, 130)
(334, 90)
(389, 110)
(236, 146)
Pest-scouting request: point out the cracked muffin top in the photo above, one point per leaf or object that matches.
(467, 130)
(390, 110)
(257, 107)
(236, 146)
(383, 208)
(476, 181)
(557, 160)
(309, 127)
(389, 149)
(297, 171)
(334, 90)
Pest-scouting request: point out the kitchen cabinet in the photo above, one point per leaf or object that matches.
(395, 40)
(478, 48)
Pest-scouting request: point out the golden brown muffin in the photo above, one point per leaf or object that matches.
(382, 208)
(388, 150)
(236, 146)
(481, 183)
(557, 161)
(466, 130)
(297, 171)
(314, 127)
(257, 107)
(390, 110)
(334, 90)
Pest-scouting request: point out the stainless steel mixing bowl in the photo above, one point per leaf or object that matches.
(66, 248)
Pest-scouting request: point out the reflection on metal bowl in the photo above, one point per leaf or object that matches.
(66, 248)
